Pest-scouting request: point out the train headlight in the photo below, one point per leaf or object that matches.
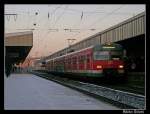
(98, 66)
(121, 66)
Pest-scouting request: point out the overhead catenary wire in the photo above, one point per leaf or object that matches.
(85, 12)
(11, 14)
(54, 30)
(81, 15)
(48, 30)
(100, 19)
(108, 14)
(42, 18)
(8, 17)
(66, 10)
(47, 33)
(60, 16)
(82, 19)
(52, 12)
(79, 23)
(96, 12)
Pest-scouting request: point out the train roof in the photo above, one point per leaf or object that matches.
(71, 53)
(105, 46)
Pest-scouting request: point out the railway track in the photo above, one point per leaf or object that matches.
(130, 86)
(124, 87)
(117, 97)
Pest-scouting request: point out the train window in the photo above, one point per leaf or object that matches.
(69, 61)
(88, 58)
(74, 60)
(81, 59)
(103, 55)
(116, 55)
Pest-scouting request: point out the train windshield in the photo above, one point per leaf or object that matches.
(101, 55)
(107, 55)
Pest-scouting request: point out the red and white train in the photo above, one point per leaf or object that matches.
(96, 61)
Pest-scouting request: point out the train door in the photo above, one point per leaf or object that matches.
(87, 62)
(84, 62)
(75, 63)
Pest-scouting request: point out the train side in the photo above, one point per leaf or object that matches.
(93, 62)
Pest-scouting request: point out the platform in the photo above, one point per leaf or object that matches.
(30, 92)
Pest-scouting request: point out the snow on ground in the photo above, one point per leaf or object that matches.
(30, 92)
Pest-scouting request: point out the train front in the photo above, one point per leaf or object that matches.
(108, 58)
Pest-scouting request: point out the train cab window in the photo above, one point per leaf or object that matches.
(103, 55)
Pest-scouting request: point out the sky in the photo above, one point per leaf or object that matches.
(53, 24)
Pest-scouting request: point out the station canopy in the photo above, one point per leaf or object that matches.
(17, 46)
